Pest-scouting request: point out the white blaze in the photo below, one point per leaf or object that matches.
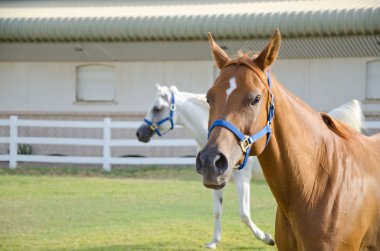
(231, 88)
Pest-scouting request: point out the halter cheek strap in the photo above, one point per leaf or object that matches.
(155, 126)
(245, 140)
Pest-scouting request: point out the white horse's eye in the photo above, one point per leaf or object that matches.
(156, 109)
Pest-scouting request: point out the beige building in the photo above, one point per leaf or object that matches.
(93, 59)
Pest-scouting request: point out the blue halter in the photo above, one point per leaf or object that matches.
(247, 141)
(155, 126)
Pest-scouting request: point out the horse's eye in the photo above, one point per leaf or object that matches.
(156, 109)
(256, 100)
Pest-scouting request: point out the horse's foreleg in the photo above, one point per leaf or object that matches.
(218, 201)
(243, 190)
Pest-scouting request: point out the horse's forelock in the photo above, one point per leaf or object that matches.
(250, 54)
(159, 89)
(164, 92)
(173, 89)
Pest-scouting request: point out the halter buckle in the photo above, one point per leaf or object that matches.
(245, 144)
(153, 127)
(172, 107)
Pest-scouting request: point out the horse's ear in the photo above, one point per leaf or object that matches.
(158, 87)
(270, 53)
(220, 56)
(173, 88)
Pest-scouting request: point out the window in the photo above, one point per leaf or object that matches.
(373, 80)
(95, 83)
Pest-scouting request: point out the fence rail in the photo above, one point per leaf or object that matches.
(106, 142)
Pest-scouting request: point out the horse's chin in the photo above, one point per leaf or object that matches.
(145, 140)
(217, 183)
(215, 187)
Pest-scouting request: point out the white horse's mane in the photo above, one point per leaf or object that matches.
(351, 113)
(198, 98)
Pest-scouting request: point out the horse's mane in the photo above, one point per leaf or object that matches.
(335, 122)
(337, 126)
(198, 98)
(351, 113)
(343, 119)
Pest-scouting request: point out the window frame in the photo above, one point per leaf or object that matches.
(78, 83)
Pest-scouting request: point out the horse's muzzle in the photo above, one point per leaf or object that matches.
(144, 133)
(212, 164)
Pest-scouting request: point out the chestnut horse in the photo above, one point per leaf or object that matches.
(324, 175)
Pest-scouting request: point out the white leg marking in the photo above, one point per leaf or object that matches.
(231, 88)
(242, 181)
(218, 200)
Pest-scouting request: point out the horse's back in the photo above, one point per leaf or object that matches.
(367, 151)
(374, 148)
(376, 139)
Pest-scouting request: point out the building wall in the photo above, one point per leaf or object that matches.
(50, 87)
(324, 83)
(31, 87)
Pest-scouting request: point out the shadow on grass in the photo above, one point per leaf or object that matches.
(136, 172)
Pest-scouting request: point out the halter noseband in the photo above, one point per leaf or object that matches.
(245, 140)
(155, 126)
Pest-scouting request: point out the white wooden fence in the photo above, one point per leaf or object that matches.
(106, 142)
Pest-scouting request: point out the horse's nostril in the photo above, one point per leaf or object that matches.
(137, 134)
(221, 163)
(199, 165)
(211, 162)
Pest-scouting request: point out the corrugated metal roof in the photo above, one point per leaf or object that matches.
(291, 48)
(149, 21)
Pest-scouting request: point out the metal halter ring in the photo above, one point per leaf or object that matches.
(153, 127)
(172, 107)
(245, 144)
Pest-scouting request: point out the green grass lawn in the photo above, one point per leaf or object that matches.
(127, 209)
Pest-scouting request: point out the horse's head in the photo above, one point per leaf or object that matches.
(161, 116)
(241, 98)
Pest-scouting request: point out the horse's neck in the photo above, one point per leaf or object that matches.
(291, 160)
(193, 114)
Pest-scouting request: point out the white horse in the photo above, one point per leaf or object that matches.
(172, 107)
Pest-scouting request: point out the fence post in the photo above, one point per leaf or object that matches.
(13, 142)
(107, 144)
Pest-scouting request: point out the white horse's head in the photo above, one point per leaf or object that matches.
(161, 117)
